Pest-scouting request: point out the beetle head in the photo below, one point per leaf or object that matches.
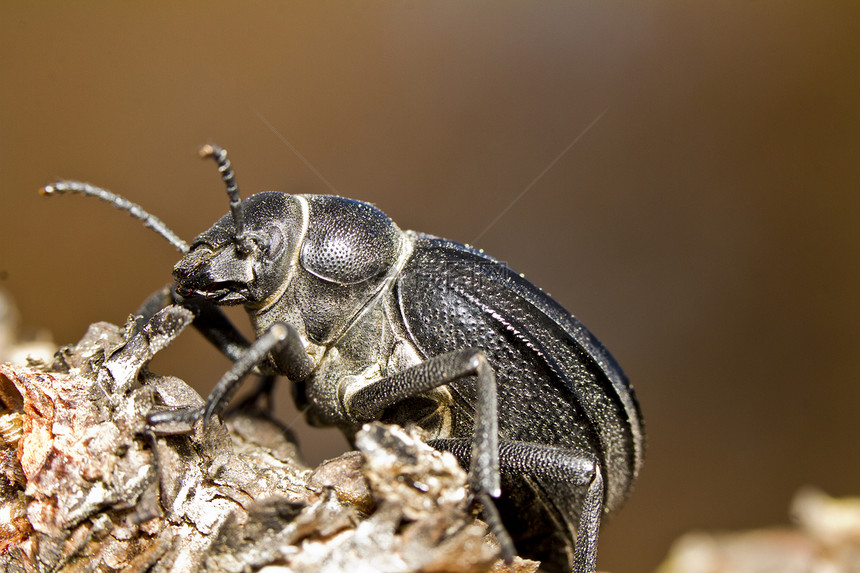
(248, 266)
(326, 256)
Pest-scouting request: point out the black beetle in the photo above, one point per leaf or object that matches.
(373, 323)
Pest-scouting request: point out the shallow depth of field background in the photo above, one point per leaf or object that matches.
(706, 228)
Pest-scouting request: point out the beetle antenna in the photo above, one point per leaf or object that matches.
(133, 209)
(225, 168)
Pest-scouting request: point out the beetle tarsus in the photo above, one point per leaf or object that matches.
(172, 421)
(494, 522)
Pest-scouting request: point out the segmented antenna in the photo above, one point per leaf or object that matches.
(136, 211)
(219, 154)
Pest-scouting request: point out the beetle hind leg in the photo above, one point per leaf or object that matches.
(556, 469)
(585, 556)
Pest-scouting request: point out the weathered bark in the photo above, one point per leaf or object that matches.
(85, 485)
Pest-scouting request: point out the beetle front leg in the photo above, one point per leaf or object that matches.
(281, 340)
(215, 327)
(369, 402)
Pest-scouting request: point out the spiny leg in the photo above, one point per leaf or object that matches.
(369, 402)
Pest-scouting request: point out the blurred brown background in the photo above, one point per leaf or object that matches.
(706, 228)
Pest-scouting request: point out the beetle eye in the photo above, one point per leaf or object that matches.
(275, 243)
(203, 250)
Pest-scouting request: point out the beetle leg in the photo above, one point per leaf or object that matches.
(554, 465)
(280, 339)
(585, 556)
(158, 300)
(215, 327)
(369, 402)
(176, 421)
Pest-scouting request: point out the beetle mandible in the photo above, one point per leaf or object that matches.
(369, 322)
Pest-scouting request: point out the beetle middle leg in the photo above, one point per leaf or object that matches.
(369, 402)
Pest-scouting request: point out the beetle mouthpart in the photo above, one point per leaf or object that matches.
(222, 293)
(192, 267)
